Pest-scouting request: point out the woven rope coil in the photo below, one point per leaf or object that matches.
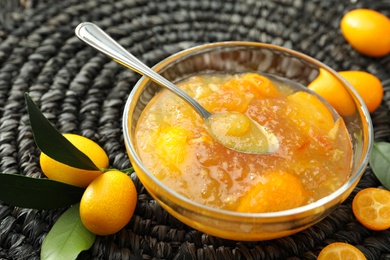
(83, 92)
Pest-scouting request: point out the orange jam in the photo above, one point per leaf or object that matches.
(313, 160)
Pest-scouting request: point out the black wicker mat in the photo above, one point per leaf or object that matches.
(84, 92)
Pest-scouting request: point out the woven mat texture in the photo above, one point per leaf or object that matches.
(84, 92)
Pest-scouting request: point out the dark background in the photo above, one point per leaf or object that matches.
(84, 92)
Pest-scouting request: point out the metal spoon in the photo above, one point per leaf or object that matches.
(251, 137)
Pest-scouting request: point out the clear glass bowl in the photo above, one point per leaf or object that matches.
(241, 57)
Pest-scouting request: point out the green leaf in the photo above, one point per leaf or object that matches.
(380, 162)
(128, 171)
(51, 142)
(27, 192)
(67, 238)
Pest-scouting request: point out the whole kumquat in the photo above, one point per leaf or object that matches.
(367, 85)
(328, 87)
(61, 172)
(367, 31)
(371, 207)
(108, 203)
(340, 251)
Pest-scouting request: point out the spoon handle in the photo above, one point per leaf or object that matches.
(94, 36)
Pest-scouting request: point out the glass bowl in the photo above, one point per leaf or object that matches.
(242, 57)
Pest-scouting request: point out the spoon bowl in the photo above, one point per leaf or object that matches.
(255, 139)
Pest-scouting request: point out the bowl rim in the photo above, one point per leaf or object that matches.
(198, 207)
